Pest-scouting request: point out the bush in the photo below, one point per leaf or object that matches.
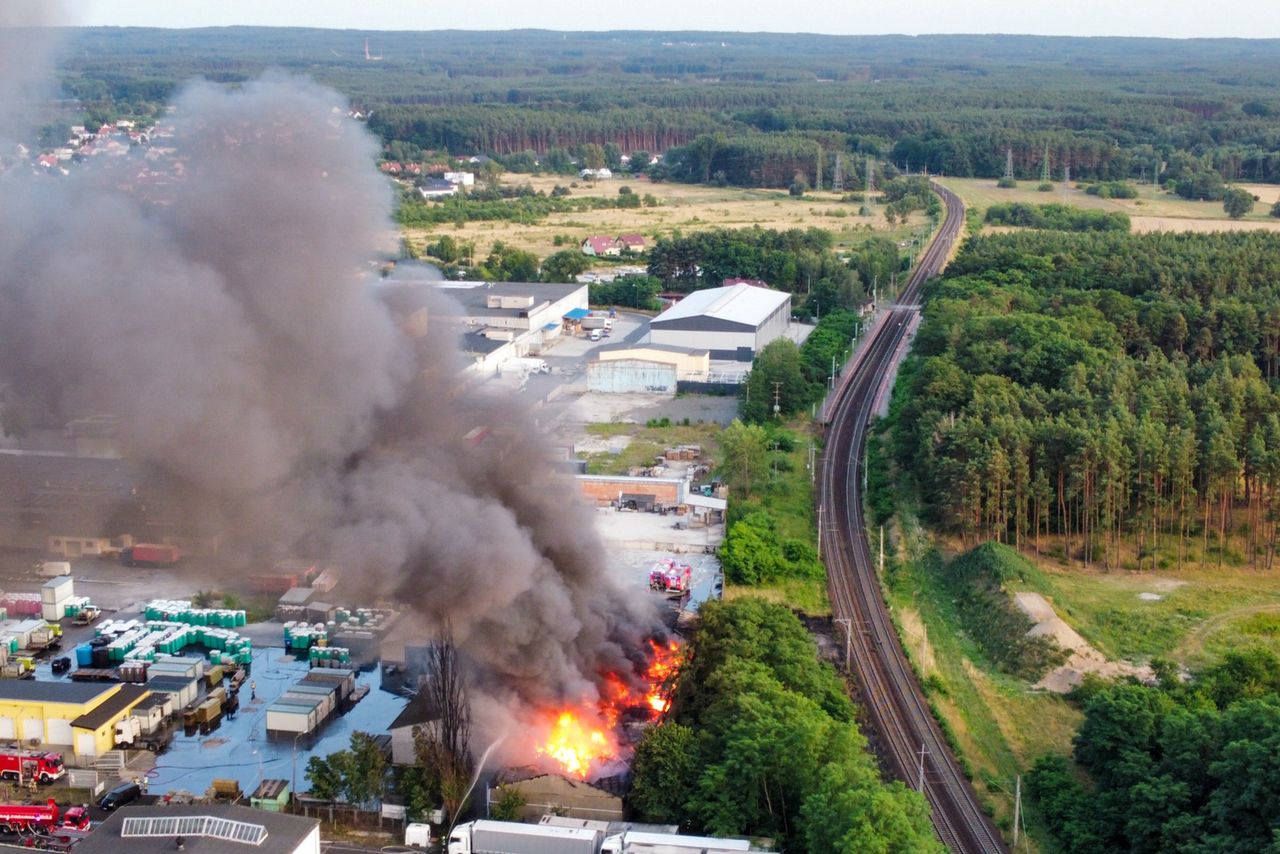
(1057, 217)
(1045, 187)
(1007, 184)
(1112, 190)
(976, 580)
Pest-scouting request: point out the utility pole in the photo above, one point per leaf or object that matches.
(848, 640)
(1044, 166)
(871, 177)
(837, 177)
(1008, 163)
(819, 532)
(920, 771)
(882, 549)
(777, 391)
(1017, 809)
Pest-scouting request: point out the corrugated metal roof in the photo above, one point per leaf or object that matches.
(736, 304)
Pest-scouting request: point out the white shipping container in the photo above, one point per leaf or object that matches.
(183, 691)
(287, 716)
(53, 612)
(58, 589)
(327, 695)
(55, 567)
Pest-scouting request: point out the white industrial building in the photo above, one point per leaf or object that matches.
(733, 322)
(649, 368)
(496, 321)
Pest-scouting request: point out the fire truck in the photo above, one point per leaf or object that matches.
(670, 577)
(41, 818)
(44, 767)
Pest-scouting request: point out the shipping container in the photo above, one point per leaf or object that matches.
(292, 717)
(343, 678)
(52, 568)
(183, 691)
(151, 554)
(57, 589)
(326, 694)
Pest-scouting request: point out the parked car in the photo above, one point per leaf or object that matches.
(120, 796)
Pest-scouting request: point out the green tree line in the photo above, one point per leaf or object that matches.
(761, 741)
(1116, 392)
(1192, 768)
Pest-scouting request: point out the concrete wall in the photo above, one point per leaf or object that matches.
(601, 489)
(570, 798)
(684, 363)
(627, 376)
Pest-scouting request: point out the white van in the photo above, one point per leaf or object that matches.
(595, 335)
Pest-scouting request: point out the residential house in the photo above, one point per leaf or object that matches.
(601, 246)
(462, 179)
(631, 242)
(435, 188)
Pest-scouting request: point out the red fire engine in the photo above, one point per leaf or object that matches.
(45, 767)
(42, 818)
(670, 577)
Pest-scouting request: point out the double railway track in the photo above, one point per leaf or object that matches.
(907, 738)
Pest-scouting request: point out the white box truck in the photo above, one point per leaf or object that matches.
(417, 835)
(508, 837)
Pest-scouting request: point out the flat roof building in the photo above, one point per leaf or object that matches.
(734, 322)
(203, 829)
(76, 716)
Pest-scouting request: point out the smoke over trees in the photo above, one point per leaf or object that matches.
(232, 317)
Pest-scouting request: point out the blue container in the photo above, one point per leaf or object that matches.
(84, 655)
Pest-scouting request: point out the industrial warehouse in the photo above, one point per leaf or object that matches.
(733, 322)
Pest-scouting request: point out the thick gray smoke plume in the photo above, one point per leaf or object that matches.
(235, 324)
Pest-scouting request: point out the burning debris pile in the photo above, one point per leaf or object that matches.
(585, 741)
(239, 334)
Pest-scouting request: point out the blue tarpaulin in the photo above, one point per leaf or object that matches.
(576, 314)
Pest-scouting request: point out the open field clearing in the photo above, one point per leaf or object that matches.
(1153, 210)
(683, 207)
(1143, 224)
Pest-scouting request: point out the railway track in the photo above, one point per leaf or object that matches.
(908, 740)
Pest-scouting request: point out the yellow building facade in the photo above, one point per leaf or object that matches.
(73, 717)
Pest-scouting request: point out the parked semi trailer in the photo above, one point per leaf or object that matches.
(508, 837)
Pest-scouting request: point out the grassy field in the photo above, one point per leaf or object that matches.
(1153, 210)
(647, 442)
(684, 207)
(1190, 616)
(998, 723)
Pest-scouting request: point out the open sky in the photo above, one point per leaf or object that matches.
(1167, 18)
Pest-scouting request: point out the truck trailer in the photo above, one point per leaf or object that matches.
(638, 842)
(509, 837)
(151, 555)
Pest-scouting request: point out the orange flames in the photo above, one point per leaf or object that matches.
(582, 740)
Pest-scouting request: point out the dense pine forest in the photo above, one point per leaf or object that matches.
(1111, 394)
(753, 109)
